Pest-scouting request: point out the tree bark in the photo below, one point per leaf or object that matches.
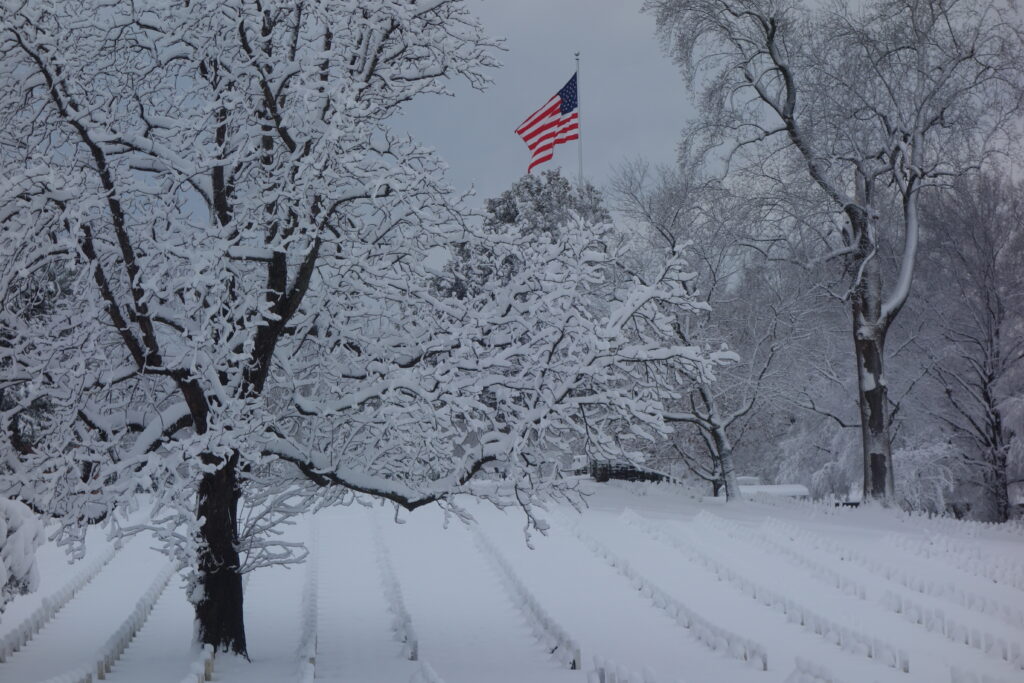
(723, 446)
(219, 610)
(996, 480)
(732, 489)
(869, 332)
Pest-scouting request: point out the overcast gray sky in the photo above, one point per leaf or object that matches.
(633, 98)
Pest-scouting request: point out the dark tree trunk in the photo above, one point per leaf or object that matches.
(996, 479)
(720, 446)
(219, 614)
(869, 331)
(997, 482)
(732, 487)
(1000, 495)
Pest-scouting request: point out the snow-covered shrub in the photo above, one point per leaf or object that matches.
(826, 459)
(21, 533)
(1013, 421)
(926, 475)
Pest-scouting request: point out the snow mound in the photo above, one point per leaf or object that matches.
(20, 535)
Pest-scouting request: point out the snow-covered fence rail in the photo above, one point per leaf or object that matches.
(201, 668)
(546, 629)
(843, 637)
(819, 571)
(308, 609)
(937, 621)
(969, 560)
(19, 636)
(948, 591)
(118, 642)
(713, 636)
(401, 622)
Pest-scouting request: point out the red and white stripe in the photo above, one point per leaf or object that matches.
(547, 127)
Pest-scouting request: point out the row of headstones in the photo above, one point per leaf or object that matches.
(711, 635)
(914, 582)
(21, 634)
(843, 637)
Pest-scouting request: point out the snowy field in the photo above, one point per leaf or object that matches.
(647, 585)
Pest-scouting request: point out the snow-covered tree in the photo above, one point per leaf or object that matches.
(870, 102)
(20, 535)
(673, 207)
(539, 205)
(928, 474)
(547, 210)
(209, 171)
(253, 314)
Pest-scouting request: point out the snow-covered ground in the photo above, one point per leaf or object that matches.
(647, 585)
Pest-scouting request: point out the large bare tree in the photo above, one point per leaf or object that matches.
(974, 267)
(870, 102)
(677, 208)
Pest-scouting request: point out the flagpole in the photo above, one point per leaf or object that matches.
(579, 117)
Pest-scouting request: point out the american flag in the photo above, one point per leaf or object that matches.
(554, 123)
